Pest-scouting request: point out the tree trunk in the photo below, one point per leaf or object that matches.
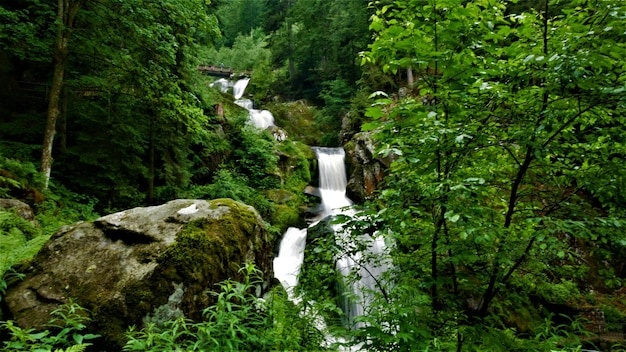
(51, 120)
(66, 12)
(409, 77)
(151, 168)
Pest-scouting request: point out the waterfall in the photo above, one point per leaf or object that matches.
(223, 84)
(289, 261)
(260, 119)
(240, 87)
(333, 182)
(245, 103)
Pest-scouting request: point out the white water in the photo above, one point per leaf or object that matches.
(261, 119)
(289, 261)
(333, 181)
(223, 84)
(240, 87)
(332, 188)
(245, 103)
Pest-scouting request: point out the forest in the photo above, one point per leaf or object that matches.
(501, 125)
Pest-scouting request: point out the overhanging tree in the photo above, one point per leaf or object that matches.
(504, 150)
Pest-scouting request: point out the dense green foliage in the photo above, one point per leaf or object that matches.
(508, 153)
(20, 239)
(64, 333)
(239, 321)
(503, 209)
(138, 123)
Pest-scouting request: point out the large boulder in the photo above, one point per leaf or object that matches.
(143, 264)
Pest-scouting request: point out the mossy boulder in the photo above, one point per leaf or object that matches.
(143, 264)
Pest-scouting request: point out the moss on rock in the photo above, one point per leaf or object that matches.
(126, 266)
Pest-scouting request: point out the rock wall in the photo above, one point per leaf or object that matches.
(132, 266)
(365, 168)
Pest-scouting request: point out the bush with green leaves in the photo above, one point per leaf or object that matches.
(255, 158)
(239, 321)
(505, 163)
(227, 184)
(64, 332)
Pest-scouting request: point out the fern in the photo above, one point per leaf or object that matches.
(18, 174)
(76, 348)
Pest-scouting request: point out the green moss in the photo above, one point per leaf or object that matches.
(280, 196)
(298, 119)
(286, 216)
(295, 165)
(349, 145)
(210, 250)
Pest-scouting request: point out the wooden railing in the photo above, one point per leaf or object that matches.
(222, 71)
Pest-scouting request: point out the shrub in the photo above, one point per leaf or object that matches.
(19, 180)
(19, 240)
(239, 321)
(64, 332)
(227, 184)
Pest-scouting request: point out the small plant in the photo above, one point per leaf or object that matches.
(7, 276)
(14, 225)
(238, 321)
(64, 332)
(19, 240)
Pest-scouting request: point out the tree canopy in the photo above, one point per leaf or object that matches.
(507, 154)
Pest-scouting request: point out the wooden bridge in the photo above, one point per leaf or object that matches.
(221, 71)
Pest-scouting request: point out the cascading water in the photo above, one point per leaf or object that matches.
(333, 181)
(289, 261)
(240, 87)
(223, 84)
(261, 119)
(245, 103)
(351, 261)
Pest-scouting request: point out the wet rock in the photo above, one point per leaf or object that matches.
(365, 167)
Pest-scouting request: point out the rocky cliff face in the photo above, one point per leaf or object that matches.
(365, 168)
(132, 266)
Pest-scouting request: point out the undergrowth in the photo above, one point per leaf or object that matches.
(239, 321)
(64, 332)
